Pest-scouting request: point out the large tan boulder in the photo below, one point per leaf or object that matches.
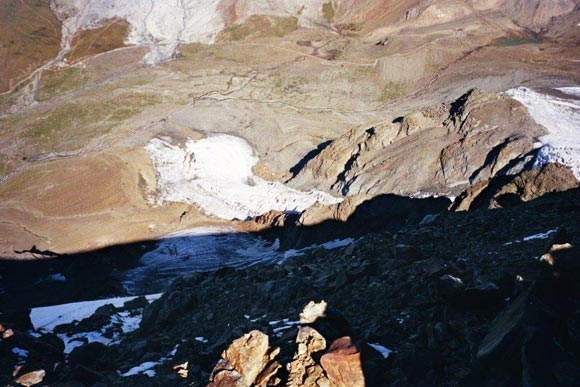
(342, 364)
(248, 361)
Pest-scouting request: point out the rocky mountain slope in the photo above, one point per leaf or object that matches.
(454, 300)
(288, 192)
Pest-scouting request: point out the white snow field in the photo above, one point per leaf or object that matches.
(215, 174)
(561, 117)
(164, 24)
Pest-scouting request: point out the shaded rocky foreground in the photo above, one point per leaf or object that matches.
(487, 297)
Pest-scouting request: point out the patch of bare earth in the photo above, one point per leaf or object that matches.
(29, 37)
(96, 41)
(84, 203)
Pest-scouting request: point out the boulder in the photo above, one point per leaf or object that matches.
(342, 363)
(248, 361)
(303, 370)
(31, 378)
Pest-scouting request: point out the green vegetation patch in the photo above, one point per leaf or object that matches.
(392, 91)
(54, 83)
(87, 119)
(517, 42)
(260, 27)
(328, 11)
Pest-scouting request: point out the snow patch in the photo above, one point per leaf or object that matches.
(79, 339)
(58, 277)
(144, 368)
(215, 173)
(21, 353)
(385, 352)
(574, 91)
(542, 235)
(47, 317)
(561, 117)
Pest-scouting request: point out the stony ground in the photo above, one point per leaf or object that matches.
(457, 300)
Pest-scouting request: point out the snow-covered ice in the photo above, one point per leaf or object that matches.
(215, 173)
(196, 250)
(574, 91)
(207, 249)
(45, 318)
(561, 117)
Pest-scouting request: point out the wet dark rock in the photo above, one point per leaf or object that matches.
(530, 341)
(167, 309)
(406, 252)
(93, 355)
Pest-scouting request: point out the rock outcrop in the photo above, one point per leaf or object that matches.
(249, 361)
(510, 190)
(441, 150)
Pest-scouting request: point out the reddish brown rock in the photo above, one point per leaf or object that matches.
(342, 364)
(272, 218)
(303, 370)
(249, 361)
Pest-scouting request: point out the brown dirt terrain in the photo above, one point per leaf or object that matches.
(29, 37)
(80, 204)
(95, 41)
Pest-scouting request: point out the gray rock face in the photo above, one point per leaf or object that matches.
(440, 150)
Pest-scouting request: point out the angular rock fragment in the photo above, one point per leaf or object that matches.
(313, 311)
(248, 361)
(342, 363)
(31, 378)
(303, 370)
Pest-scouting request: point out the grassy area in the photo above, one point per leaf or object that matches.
(392, 91)
(328, 11)
(285, 84)
(58, 82)
(68, 126)
(7, 164)
(517, 42)
(69, 123)
(260, 27)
